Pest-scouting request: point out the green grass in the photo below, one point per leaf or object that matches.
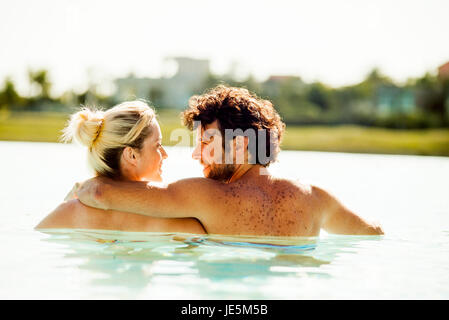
(368, 140)
(46, 127)
(30, 126)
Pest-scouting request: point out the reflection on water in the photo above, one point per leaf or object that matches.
(406, 194)
(135, 261)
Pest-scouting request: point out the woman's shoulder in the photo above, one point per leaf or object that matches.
(63, 216)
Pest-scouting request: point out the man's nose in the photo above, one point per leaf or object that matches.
(196, 154)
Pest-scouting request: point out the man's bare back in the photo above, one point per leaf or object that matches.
(263, 205)
(256, 204)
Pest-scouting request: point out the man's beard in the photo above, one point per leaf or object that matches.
(222, 172)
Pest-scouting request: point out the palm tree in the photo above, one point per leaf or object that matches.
(40, 78)
(9, 98)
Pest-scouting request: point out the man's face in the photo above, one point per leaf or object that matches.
(209, 152)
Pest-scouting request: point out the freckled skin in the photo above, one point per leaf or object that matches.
(264, 205)
(255, 203)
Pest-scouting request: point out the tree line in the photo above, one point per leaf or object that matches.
(376, 101)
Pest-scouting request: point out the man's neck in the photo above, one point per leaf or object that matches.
(245, 170)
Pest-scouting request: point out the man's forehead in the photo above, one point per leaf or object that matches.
(213, 125)
(208, 130)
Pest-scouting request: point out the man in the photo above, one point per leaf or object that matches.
(238, 196)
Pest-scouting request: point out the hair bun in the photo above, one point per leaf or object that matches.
(84, 126)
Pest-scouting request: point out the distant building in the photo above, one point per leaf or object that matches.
(392, 99)
(278, 79)
(171, 92)
(273, 84)
(443, 74)
(443, 71)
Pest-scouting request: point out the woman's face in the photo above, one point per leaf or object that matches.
(150, 157)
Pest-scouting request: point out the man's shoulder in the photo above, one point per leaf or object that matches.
(307, 189)
(202, 191)
(202, 188)
(196, 182)
(296, 185)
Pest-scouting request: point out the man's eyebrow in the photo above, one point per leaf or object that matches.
(207, 137)
(210, 133)
(211, 138)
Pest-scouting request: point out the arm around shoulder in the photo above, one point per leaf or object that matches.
(184, 198)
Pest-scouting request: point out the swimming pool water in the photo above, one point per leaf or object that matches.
(409, 195)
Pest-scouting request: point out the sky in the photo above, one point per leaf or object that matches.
(335, 42)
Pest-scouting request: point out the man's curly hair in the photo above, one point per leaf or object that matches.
(237, 108)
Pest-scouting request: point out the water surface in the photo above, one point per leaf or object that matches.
(409, 195)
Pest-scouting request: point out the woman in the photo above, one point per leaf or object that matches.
(124, 143)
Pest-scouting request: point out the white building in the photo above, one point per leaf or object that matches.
(170, 92)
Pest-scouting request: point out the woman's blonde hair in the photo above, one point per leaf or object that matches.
(107, 133)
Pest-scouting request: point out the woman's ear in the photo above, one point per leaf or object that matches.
(129, 156)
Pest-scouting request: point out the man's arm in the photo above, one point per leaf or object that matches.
(340, 220)
(184, 198)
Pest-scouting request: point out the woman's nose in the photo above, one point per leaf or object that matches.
(164, 153)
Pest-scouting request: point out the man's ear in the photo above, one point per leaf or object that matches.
(241, 144)
(245, 142)
(129, 156)
(241, 147)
